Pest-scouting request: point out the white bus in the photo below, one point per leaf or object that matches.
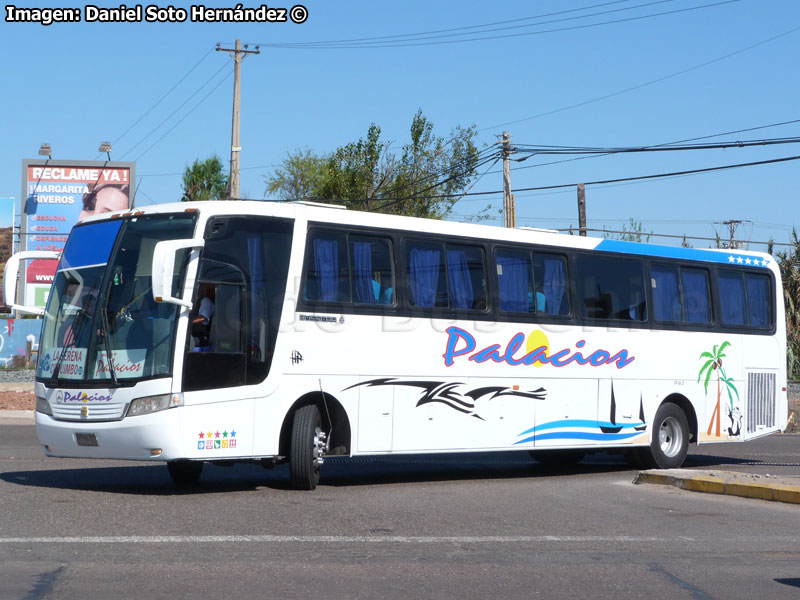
(336, 332)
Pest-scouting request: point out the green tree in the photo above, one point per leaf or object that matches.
(365, 175)
(433, 171)
(204, 180)
(298, 178)
(358, 173)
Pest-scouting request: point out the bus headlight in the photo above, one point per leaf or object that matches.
(151, 404)
(43, 406)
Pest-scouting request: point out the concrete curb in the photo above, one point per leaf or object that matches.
(17, 386)
(745, 485)
(17, 417)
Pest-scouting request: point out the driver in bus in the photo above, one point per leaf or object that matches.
(201, 323)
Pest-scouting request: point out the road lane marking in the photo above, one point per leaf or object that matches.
(332, 539)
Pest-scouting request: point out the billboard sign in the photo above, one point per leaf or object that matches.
(56, 194)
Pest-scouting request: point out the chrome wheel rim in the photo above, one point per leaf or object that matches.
(670, 437)
(319, 448)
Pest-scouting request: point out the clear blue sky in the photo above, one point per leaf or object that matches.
(75, 85)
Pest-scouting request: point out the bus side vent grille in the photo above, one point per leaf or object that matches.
(760, 401)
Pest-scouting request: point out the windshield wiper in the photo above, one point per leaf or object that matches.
(104, 332)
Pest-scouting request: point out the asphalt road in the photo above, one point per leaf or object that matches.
(463, 526)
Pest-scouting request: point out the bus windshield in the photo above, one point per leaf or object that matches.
(102, 324)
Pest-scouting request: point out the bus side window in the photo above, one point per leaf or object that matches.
(466, 277)
(731, 297)
(611, 288)
(666, 293)
(758, 300)
(514, 281)
(373, 276)
(550, 275)
(426, 274)
(696, 295)
(327, 276)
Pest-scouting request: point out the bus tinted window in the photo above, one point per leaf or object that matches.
(732, 298)
(611, 288)
(466, 277)
(696, 295)
(667, 304)
(373, 276)
(426, 274)
(550, 276)
(445, 275)
(327, 272)
(514, 281)
(758, 299)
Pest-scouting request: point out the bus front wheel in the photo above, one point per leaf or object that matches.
(670, 439)
(185, 472)
(307, 449)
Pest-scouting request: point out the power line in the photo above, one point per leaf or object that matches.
(556, 162)
(170, 115)
(637, 178)
(556, 150)
(388, 43)
(434, 35)
(422, 33)
(419, 195)
(183, 118)
(641, 85)
(169, 91)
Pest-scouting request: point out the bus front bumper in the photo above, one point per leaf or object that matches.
(146, 437)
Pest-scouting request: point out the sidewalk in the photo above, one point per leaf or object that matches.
(16, 417)
(730, 483)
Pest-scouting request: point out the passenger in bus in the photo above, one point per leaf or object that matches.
(201, 323)
(384, 294)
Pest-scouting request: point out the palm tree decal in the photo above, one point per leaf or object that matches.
(714, 363)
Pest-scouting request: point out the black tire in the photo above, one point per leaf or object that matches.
(304, 463)
(185, 472)
(670, 439)
(558, 458)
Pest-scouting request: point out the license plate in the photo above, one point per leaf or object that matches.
(86, 439)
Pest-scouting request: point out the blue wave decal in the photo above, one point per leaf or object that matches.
(580, 423)
(578, 435)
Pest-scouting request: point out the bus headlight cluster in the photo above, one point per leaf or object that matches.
(43, 406)
(151, 404)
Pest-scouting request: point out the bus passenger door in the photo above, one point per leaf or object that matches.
(568, 415)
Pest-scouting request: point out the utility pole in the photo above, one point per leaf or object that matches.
(581, 209)
(509, 217)
(732, 225)
(238, 53)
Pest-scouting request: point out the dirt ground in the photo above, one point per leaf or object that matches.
(17, 401)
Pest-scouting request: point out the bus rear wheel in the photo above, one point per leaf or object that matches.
(185, 472)
(670, 439)
(307, 449)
